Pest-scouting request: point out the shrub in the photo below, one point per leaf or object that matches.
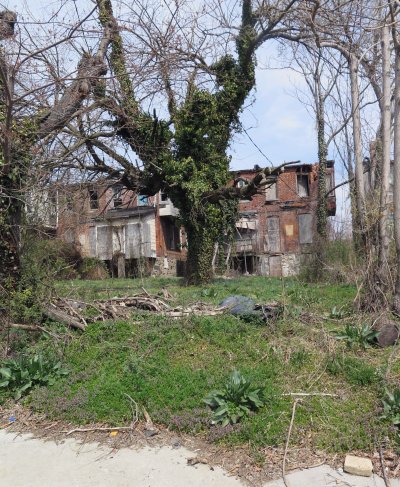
(42, 261)
(329, 261)
(391, 407)
(93, 268)
(363, 336)
(19, 376)
(237, 399)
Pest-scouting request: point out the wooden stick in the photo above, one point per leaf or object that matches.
(85, 430)
(306, 394)
(19, 326)
(287, 442)
(385, 477)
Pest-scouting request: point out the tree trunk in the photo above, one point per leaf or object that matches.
(384, 241)
(11, 207)
(322, 210)
(200, 253)
(396, 174)
(359, 170)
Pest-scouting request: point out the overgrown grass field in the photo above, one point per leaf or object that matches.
(170, 365)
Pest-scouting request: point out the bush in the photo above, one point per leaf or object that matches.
(237, 399)
(18, 377)
(51, 259)
(42, 261)
(93, 268)
(329, 261)
(360, 336)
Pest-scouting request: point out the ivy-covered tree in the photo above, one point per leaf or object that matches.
(186, 154)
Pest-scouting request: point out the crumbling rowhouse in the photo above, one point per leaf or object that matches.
(276, 228)
(134, 234)
(137, 234)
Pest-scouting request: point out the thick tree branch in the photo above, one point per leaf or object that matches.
(90, 69)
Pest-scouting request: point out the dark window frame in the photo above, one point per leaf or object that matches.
(93, 199)
(304, 177)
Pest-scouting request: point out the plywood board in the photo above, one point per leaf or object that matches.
(273, 236)
(104, 242)
(305, 228)
(275, 266)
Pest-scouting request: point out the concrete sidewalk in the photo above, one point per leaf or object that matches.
(29, 462)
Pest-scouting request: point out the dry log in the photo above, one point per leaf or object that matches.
(57, 314)
(19, 326)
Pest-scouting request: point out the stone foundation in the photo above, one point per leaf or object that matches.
(169, 267)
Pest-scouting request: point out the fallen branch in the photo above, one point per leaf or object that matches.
(135, 419)
(57, 314)
(26, 327)
(135, 413)
(306, 394)
(86, 430)
(385, 477)
(287, 442)
(19, 326)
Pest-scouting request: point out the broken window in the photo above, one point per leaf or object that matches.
(329, 183)
(302, 185)
(93, 199)
(172, 234)
(271, 193)
(117, 196)
(143, 200)
(241, 183)
(305, 228)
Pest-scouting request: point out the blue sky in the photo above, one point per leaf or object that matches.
(277, 122)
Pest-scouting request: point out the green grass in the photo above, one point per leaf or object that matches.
(168, 366)
(319, 296)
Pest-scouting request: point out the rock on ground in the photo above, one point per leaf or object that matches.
(358, 466)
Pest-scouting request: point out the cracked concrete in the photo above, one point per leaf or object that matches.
(30, 462)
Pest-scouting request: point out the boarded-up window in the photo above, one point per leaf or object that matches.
(302, 185)
(104, 242)
(273, 234)
(118, 239)
(275, 266)
(305, 228)
(146, 240)
(133, 240)
(271, 193)
(92, 241)
(329, 182)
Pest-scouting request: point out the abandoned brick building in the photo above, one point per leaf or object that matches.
(276, 227)
(137, 234)
(134, 234)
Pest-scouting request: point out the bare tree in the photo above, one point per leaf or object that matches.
(394, 15)
(31, 112)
